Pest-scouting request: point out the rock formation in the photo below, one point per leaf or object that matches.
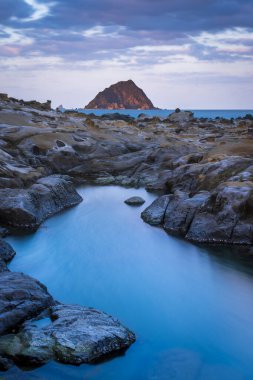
(201, 170)
(74, 335)
(122, 95)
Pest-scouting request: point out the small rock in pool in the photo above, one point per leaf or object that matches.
(135, 201)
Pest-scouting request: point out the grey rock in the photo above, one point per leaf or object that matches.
(135, 201)
(5, 364)
(21, 298)
(154, 214)
(226, 216)
(3, 232)
(181, 210)
(28, 208)
(76, 335)
(181, 117)
(6, 254)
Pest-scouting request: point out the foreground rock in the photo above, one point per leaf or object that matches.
(21, 298)
(135, 201)
(76, 335)
(28, 208)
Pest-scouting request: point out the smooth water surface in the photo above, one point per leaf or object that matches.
(163, 113)
(192, 311)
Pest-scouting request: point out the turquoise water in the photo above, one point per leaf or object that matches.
(228, 114)
(191, 308)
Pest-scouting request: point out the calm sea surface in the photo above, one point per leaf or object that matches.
(190, 307)
(164, 113)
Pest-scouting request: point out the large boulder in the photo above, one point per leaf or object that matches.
(75, 335)
(226, 217)
(21, 298)
(28, 208)
(181, 210)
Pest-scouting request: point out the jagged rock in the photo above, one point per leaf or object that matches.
(154, 214)
(6, 254)
(122, 95)
(135, 201)
(21, 298)
(28, 208)
(226, 216)
(181, 210)
(76, 335)
(205, 175)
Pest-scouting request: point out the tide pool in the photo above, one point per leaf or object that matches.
(190, 307)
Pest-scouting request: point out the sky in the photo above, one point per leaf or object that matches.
(192, 54)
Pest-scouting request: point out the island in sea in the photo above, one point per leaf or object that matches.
(121, 95)
(200, 169)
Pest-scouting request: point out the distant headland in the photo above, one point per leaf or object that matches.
(122, 95)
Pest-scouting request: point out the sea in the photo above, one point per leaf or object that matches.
(163, 113)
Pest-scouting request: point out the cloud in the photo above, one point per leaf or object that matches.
(99, 31)
(10, 36)
(40, 10)
(236, 40)
(174, 42)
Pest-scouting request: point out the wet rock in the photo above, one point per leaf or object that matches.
(76, 335)
(5, 364)
(21, 298)
(6, 254)
(226, 216)
(3, 232)
(135, 201)
(154, 214)
(27, 208)
(181, 210)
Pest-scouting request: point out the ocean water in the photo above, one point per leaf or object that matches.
(190, 307)
(163, 113)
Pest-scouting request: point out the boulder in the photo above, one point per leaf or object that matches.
(21, 298)
(28, 208)
(154, 214)
(226, 216)
(181, 117)
(75, 335)
(181, 210)
(6, 254)
(135, 201)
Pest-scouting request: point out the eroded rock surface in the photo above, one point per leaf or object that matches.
(76, 335)
(27, 208)
(21, 298)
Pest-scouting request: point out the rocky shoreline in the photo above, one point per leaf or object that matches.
(73, 334)
(201, 170)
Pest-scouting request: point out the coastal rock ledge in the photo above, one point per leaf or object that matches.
(28, 208)
(74, 335)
